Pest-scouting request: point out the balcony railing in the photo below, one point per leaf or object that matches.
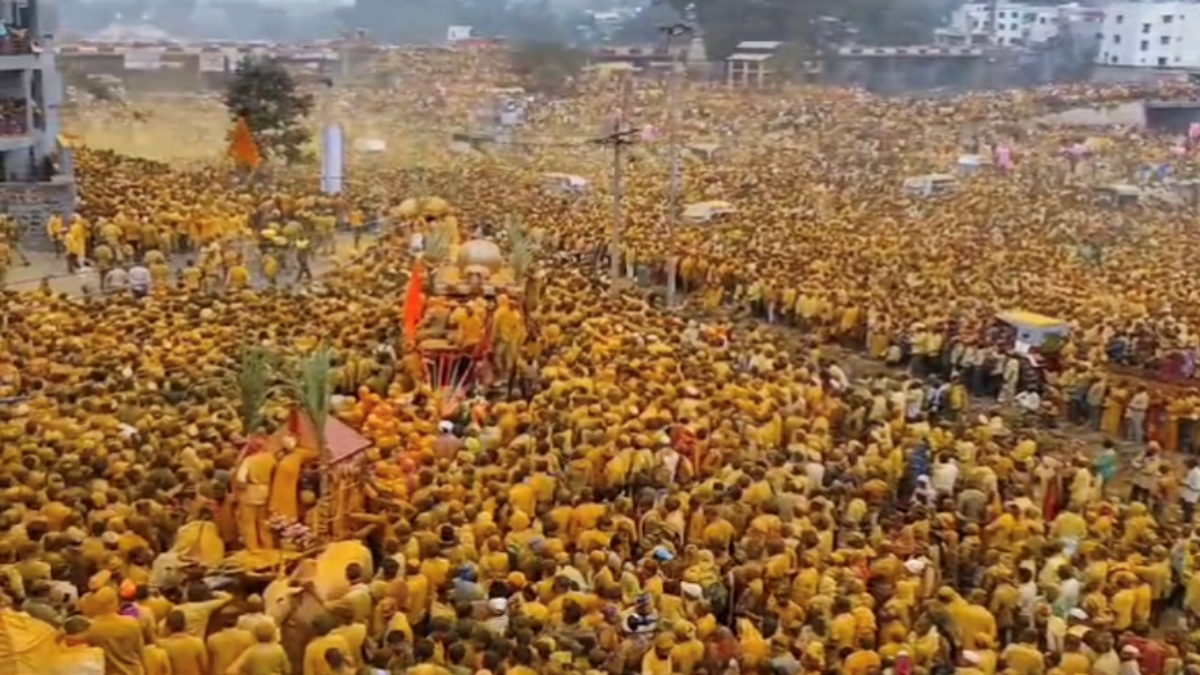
(13, 120)
(15, 44)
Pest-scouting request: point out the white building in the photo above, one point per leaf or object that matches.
(1016, 25)
(1151, 34)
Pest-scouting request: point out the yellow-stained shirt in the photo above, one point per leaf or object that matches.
(121, 639)
(224, 648)
(314, 654)
(187, 654)
(266, 659)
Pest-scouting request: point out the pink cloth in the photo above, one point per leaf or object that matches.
(1004, 158)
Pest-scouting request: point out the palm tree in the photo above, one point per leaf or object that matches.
(312, 391)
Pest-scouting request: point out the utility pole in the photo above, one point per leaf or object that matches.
(623, 135)
(674, 84)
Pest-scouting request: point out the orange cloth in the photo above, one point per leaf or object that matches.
(414, 301)
(242, 147)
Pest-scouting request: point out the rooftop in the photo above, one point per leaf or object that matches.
(759, 44)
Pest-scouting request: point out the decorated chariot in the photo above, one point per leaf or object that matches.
(473, 306)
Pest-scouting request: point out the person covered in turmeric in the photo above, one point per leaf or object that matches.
(119, 636)
(186, 652)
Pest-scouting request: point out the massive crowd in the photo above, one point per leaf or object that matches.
(679, 491)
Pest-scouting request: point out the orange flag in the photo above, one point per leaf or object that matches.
(414, 302)
(242, 147)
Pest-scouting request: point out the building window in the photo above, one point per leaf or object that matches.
(1117, 39)
(1000, 14)
(1120, 18)
(1168, 18)
(1041, 19)
(1162, 60)
(1164, 40)
(1145, 45)
(1114, 59)
(1145, 28)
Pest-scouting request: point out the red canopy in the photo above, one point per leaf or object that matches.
(342, 441)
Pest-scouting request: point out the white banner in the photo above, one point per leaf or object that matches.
(212, 63)
(458, 33)
(143, 59)
(332, 159)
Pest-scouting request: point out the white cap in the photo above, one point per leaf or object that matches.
(691, 590)
(915, 566)
(1078, 614)
(1130, 650)
(445, 426)
(972, 658)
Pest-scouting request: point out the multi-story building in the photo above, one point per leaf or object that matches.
(36, 167)
(1017, 25)
(1150, 35)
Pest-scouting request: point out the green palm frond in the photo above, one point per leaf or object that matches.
(255, 379)
(314, 391)
(437, 244)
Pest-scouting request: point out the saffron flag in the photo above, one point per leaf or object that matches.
(242, 147)
(414, 301)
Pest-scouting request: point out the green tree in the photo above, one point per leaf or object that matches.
(546, 66)
(265, 93)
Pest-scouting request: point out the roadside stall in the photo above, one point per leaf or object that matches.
(370, 146)
(1037, 338)
(968, 164)
(1117, 194)
(706, 152)
(564, 184)
(930, 185)
(1032, 329)
(705, 212)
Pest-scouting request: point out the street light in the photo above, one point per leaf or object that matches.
(670, 34)
(622, 136)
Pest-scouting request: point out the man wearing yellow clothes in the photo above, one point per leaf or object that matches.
(253, 481)
(357, 222)
(191, 276)
(56, 231)
(76, 243)
(238, 278)
(270, 269)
